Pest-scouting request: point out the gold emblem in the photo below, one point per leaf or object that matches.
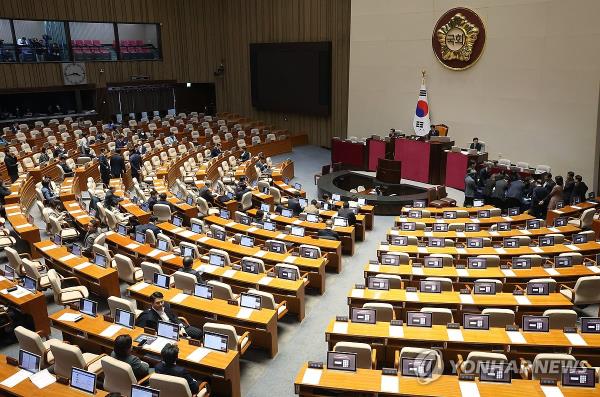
(457, 38)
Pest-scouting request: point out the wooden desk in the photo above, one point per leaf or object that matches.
(333, 249)
(484, 222)
(360, 226)
(32, 305)
(26, 231)
(103, 282)
(222, 368)
(367, 382)
(188, 211)
(262, 324)
(27, 389)
(126, 205)
(403, 301)
(81, 217)
(440, 211)
(314, 267)
(491, 234)
(571, 210)
(367, 210)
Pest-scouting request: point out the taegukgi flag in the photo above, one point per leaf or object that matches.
(421, 121)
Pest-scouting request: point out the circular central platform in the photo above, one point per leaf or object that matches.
(394, 196)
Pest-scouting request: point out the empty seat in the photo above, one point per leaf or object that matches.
(234, 341)
(561, 318)
(439, 315)
(499, 317)
(383, 311)
(365, 356)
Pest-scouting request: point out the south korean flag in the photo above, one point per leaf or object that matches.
(421, 121)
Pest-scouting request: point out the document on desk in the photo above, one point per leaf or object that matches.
(252, 229)
(158, 344)
(23, 226)
(340, 327)
(132, 246)
(15, 379)
(180, 297)
(290, 259)
(389, 384)
(266, 280)
(297, 222)
(475, 220)
(49, 247)
(187, 233)
(524, 231)
(418, 271)
(455, 335)
(204, 239)
(516, 337)
(198, 354)
(206, 268)
(244, 313)
(466, 299)
(508, 272)
(111, 330)
(551, 271)
(70, 317)
(396, 331)
(373, 268)
(575, 339)
(594, 269)
(501, 250)
(522, 300)
(552, 391)
(82, 216)
(281, 236)
(462, 272)
(167, 257)
(412, 296)
(73, 205)
(461, 251)
(422, 250)
(312, 376)
(42, 379)
(230, 224)
(139, 286)
(460, 234)
(357, 293)
(468, 389)
(82, 266)
(554, 229)
(229, 273)
(154, 252)
(576, 207)
(20, 292)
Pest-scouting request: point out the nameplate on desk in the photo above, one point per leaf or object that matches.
(548, 382)
(138, 286)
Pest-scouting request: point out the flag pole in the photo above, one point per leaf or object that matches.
(423, 77)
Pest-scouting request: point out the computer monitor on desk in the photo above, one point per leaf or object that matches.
(215, 341)
(341, 361)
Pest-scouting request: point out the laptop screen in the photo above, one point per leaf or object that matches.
(417, 367)
(250, 266)
(162, 245)
(514, 211)
(478, 203)
(83, 380)
(430, 286)
(303, 202)
(188, 251)
(196, 228)
(250, 301)
(162, 280)
(563, 261)
(415, 214)
(483, 214)
(245, 220)
(177, 220)
(503, 226)
(203, 291)
(143, 391)
(476, 321)
(270, 226)
(578, 377)
(579, 238)
(216, 260)
(276, 246)
(312, 218)
(511, 242)
(29, 284)
(214, 341)
(534, 224)
(341, 361)
(29, 361)
(168, 330)
(558, 222)
(287, 273)
(450, 215)
(297, 186)
(124, 318)
(537, 288)
(219, 234)
(336, 197)
(521, 263)
(247, 241)
(140, 237)
(265, 207)
(339, 221)
(76, 249)
(92, 212)
(89, 307)
(362, 201)
(100, 260)
(297, 231)
(122, 230)
(536, 323)
(545, 241)
(379, 283)
(365, 316)
(436, 242)
(189, 200)
(287, 213)
(224, 214)
(419, 203)
(57, 239)
(418, 319)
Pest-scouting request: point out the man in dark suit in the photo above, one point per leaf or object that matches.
(104, 166)
(579, 189)
(111, 200)
(346, 212)
(135, 160)
(161, 311)
(538, 194)
(153, 199)
(66, 169)
(475, 145)
(328, 231)
(245, 156)
(12, 165)
(216, 150)
(168, 366)
(187, 268)
(206, 193)
(117, 165)
(294, 205)
(151, 225)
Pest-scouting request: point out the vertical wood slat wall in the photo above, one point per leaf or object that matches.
(196, 36)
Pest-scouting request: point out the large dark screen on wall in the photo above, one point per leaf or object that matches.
(291, 77)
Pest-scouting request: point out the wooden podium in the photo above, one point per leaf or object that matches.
(389, 171)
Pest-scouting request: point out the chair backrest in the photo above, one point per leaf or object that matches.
(114, 302)
(587, 217)
(162, 212)
(14, 260)
(55, 284)
(420, 352)
(439, 315)
(550, 281)
(66, 357)
(476, 360)
(184, 281)
(223, 329)
(445, 283)
(246, 201)
(170, 385)
(30, 341)
(31, 270)
(383, 311)
(362, 350)
(221, 253)
(561, 318)
(118, 376)
(545, 365)
(125, 268)
(221, 290)
(148, 270)
(394, 281)
(587, 290)
(500, 317)
(447, 259)
(289, 267)
(491, 260)
(267, 300)
(576, 257)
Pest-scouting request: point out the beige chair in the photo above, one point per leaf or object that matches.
(536, 260)
(585, 220)
(69, 356)
(246, 201)
(558, 238)
(65, 295)
(586, 291)
(498, 283)
(491, 260)
(148, 270)
(258, 263)
(222, 290)
(577, 258)
(365, 356)
(419, 352)
(394, 281)
(277, 197)
(150, 238)
(561, 318)
(439, 315)
(222, 254)
(499, 318)
(118, 376)
(445, 282)
(162, 212)
(103, 250)
(189, 246)
(127, 272)
(289, 267)
(550, 281)
(32, 342)
(175, 386)
(267, 301)
(235, 342)
(383, 311)
(69, 233)
(31, 270)
(15, 260)
(447, 259)
(477, 360)
(115, 302)
(184, 281)
(545, 364)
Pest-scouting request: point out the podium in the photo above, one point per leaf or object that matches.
(389, 171)
(423, 161)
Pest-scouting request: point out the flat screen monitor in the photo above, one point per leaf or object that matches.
(476, 321)
(162, 280)
(216, 260)
(494, 372)
(100, 260)
(441, 227)
(476, 263)
(478, 203)
(264, 207)
(250, 301)
(93, 213)
(297, 186)
(475, 242)
(536, 323)
(270, 226)
(340, 221)
(399, 240)
(29, 362)
(188, 251)
(484, 288)
(57, 239)
(503, 226)
(215, 341)
(510, 242)
(124, 318)
(379, 283)
(196, 228)
(390, 259)
(204, 291)
(431, 286)
(364, 316)
(483, 213)
(219, 234)
(122, 229)
(521, 263)
(288, 213)
(408, 226)
(578, 377)
(189, 200)
(76, 249)
(83, 380)
(450, 215)
(579, 238)
(286, 273)
(140, 237)
(563, 261)
(472, 227)
(437, 242)
(419, 204)
(546, 241)
(298, 231)
(162, 245)
(250, 266)
(88, 306)
(167, 330)
(276, 246)
(534, 224)
(362, 201)
(433, 262)
(418, 319)
(535, 288)
(326, 206)
(590, 325)
(309, 252)
(29, 284)
(562, 221)
(247, 241)
(177, 220)
(514, 211)
(143, 391)
(417, 367)
(341, 361)
(224, 214)
(336, 197)
(245, 220)
(179, 195)
(415, 214)
(312, 218)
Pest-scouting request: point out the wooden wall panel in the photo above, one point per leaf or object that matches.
(196, 36)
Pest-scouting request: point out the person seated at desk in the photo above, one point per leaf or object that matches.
(171, 139)
(3, 140)
(241, 188)
(168, 366)
(90, 236)
(101, 136)
(111, 200)
(44, 158)
(262, 165)
(162, 199)
(4, 191)
(259, 218)
(151, 225)
(294, 205)
(142, 135)
(328, 232)
(122, 352)
(326, 199)
(245, 156)
(348, 213)
(206, 192)
(161, 311)
(120, 142)
(187, 268)
(475, 145)
(153, 199)
(59, 150)
(48, 193)
(216, 150)
(432, 132)
(312, 208)
(65, 167)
